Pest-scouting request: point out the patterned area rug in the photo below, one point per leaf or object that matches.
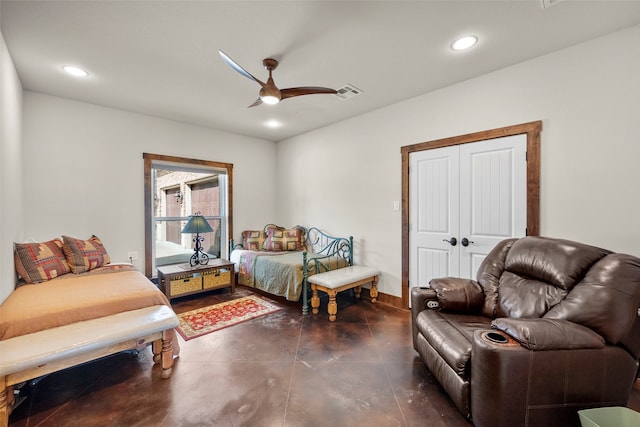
(196, 323)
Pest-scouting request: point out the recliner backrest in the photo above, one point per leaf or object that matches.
(526, 277)
(489, 274)
(559, 279)
(606, 300)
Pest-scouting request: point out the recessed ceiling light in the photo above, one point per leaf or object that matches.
(464, 43)
(273, 124)
(75, 71)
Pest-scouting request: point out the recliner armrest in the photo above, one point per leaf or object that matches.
(456, 294)
(549, 334)
(421, 299)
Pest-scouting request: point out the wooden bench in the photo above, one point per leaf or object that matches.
(30, 356)
(335, 281)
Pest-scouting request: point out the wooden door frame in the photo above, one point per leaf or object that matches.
(531, 129)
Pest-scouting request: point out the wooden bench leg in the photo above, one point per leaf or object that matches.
(332, 307)
(163, 351)
(374, 289)
(315, 300)
(357, 291)
(156, 349)
(167, 352)
(4, 402)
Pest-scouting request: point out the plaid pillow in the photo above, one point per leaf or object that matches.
(253, 240)
(280, 239)
(84, 255)
(39, 262)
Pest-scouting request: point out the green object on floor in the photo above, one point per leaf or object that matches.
(615, 416)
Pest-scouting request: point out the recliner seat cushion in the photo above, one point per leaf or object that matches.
(451, 334)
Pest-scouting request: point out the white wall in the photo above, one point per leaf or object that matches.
(587, 97)
(82, 163)
(10, 167)
(83, 171)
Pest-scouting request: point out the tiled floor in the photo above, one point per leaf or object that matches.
(282, 369)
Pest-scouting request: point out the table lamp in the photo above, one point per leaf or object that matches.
(198, 224)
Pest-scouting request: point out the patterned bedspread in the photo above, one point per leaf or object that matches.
(278, 273)
(73, 298)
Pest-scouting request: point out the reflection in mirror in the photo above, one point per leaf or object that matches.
(175, 189)
(178, 194)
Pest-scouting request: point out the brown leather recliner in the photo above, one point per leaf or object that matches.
(549, 327)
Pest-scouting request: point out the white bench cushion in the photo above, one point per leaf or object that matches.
(52, 345)
(342, 276)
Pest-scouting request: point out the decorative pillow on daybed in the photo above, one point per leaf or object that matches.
(39, 262)
(284, 239)
(85, 255)
(253, 240)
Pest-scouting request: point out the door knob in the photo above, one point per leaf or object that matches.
(452, 242)
(465, 241)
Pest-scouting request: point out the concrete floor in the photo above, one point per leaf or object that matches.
(283, 369)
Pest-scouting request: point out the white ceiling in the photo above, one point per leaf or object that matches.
(160, 57)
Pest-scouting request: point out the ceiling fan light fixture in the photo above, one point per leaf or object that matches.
(270, 99)
(464, 43)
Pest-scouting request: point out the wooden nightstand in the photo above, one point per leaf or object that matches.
(178, 280)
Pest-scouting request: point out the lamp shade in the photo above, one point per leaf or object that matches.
(197, 224)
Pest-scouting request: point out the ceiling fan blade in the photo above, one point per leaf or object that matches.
(233, 64)
(256, 103)
(307, 90)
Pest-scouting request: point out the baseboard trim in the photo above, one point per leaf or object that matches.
(382, 297)
(385, 299)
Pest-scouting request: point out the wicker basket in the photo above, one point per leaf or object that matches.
(184, 285)
(217, 278)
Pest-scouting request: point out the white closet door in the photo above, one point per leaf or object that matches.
(475, 191)
(434, 214)
(493, 197)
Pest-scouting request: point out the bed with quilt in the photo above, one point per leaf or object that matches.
(72, 305)
(279, 260)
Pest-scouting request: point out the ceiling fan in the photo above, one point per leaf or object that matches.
(269, 92)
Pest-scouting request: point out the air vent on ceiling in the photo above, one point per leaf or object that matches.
(348, 91)
(549, 3)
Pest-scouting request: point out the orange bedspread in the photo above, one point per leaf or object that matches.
(72, 298)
